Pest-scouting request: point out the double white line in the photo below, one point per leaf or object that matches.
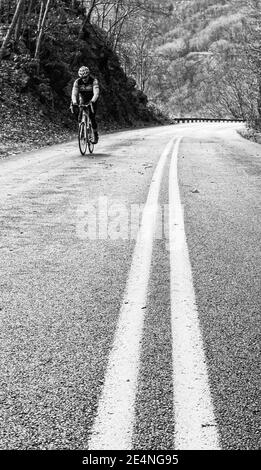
(195, 426)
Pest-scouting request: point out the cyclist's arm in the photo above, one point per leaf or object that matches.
(75, 93)
(96, 91)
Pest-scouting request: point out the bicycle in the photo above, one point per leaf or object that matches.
(85, 132)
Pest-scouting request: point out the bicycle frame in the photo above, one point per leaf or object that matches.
(86, 113)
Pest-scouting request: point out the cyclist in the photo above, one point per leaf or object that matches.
(86, 90)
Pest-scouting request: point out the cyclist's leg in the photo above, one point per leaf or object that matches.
(93, 116)
(94, 122)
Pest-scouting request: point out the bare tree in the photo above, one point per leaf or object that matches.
(90, 10)
(19, 24)
(41, 30)
(18, 12)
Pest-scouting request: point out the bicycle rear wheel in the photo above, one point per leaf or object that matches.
(82, 138)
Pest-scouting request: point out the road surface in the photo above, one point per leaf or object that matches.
(130, 293)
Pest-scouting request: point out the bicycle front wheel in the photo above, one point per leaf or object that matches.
(82, 138)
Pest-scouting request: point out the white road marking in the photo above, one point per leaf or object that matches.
(113, 425)
(195, 426)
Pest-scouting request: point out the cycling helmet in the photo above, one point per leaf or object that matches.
(83, 72)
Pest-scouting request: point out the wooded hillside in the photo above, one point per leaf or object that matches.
(42, 45)
(209, 60)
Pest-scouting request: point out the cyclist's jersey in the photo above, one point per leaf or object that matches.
(83, 92)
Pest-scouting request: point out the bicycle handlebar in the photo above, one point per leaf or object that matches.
(86, 106)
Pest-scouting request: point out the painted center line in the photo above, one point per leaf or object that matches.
(113, 426)
(195, 426)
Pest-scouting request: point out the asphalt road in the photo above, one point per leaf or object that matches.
(73, 274)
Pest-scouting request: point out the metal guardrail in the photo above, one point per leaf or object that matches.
(183, 120)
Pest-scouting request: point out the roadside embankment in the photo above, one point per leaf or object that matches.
(34, 102)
